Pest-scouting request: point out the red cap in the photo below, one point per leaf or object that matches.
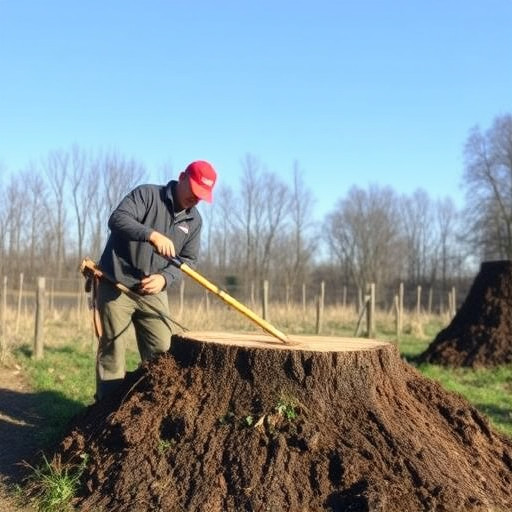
(202, 178)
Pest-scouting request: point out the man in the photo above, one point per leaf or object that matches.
(151, 224)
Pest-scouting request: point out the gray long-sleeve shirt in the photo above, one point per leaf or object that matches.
(128, 256)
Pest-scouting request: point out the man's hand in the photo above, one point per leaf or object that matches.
(162, 244)
(152, 284)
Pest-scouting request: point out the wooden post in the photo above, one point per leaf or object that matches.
(207, 302)
(319, 315)
(264, 300)
(397, 320)
(320, 308)
(454, 301)
(79, 303)
(400, 309)
(370, 311)
(79, 300)
(361, 314)
(39, 328)
(18, 310)
(182, 298)
(52, 294)
(418, 301)
(253, 297)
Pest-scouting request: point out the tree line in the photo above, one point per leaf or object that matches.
(55, 212)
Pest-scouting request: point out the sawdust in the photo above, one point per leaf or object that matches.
(480, 334)
(224, 427)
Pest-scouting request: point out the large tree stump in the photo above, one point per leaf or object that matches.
(242, 423)
(480, 334)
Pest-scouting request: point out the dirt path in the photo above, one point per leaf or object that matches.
(18, 422)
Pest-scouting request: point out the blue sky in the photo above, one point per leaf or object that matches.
(356, 92)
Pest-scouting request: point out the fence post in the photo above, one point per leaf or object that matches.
(320, 308)
(264, 299)
(253, 298)
(418, 301)
(18, 311)
(39, 329)
(370, 311)
(397, 320)
(400, 309)
(78, 301)
(361, 314)
(207, 302)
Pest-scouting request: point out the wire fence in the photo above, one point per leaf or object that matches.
(319, 308)
(69, 293)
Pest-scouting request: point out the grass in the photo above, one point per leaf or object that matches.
(53, 485)
(287, 407)
(489, 390)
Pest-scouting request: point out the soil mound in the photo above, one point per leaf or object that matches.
(222, 424)
(480, 334)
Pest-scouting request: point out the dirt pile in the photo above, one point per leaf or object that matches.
(480, 334)
(228, 426)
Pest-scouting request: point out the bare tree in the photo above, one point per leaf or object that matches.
(362, 232)
(98, 208)
(276, 207)
(56, 168)
(226, 241)
(36, 192)
(110, 177)
(446, 223)
(3, 230)
(82, 192)
(250, 218)
(16, 222)
(488, 184)
(119, 176)
(419, 235)
(302, 203)
(166, 173)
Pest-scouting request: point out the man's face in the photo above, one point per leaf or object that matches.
(185, 196)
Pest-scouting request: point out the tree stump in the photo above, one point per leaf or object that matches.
(243, 423)
(480, 334)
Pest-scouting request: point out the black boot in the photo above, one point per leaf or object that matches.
(106, 387)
